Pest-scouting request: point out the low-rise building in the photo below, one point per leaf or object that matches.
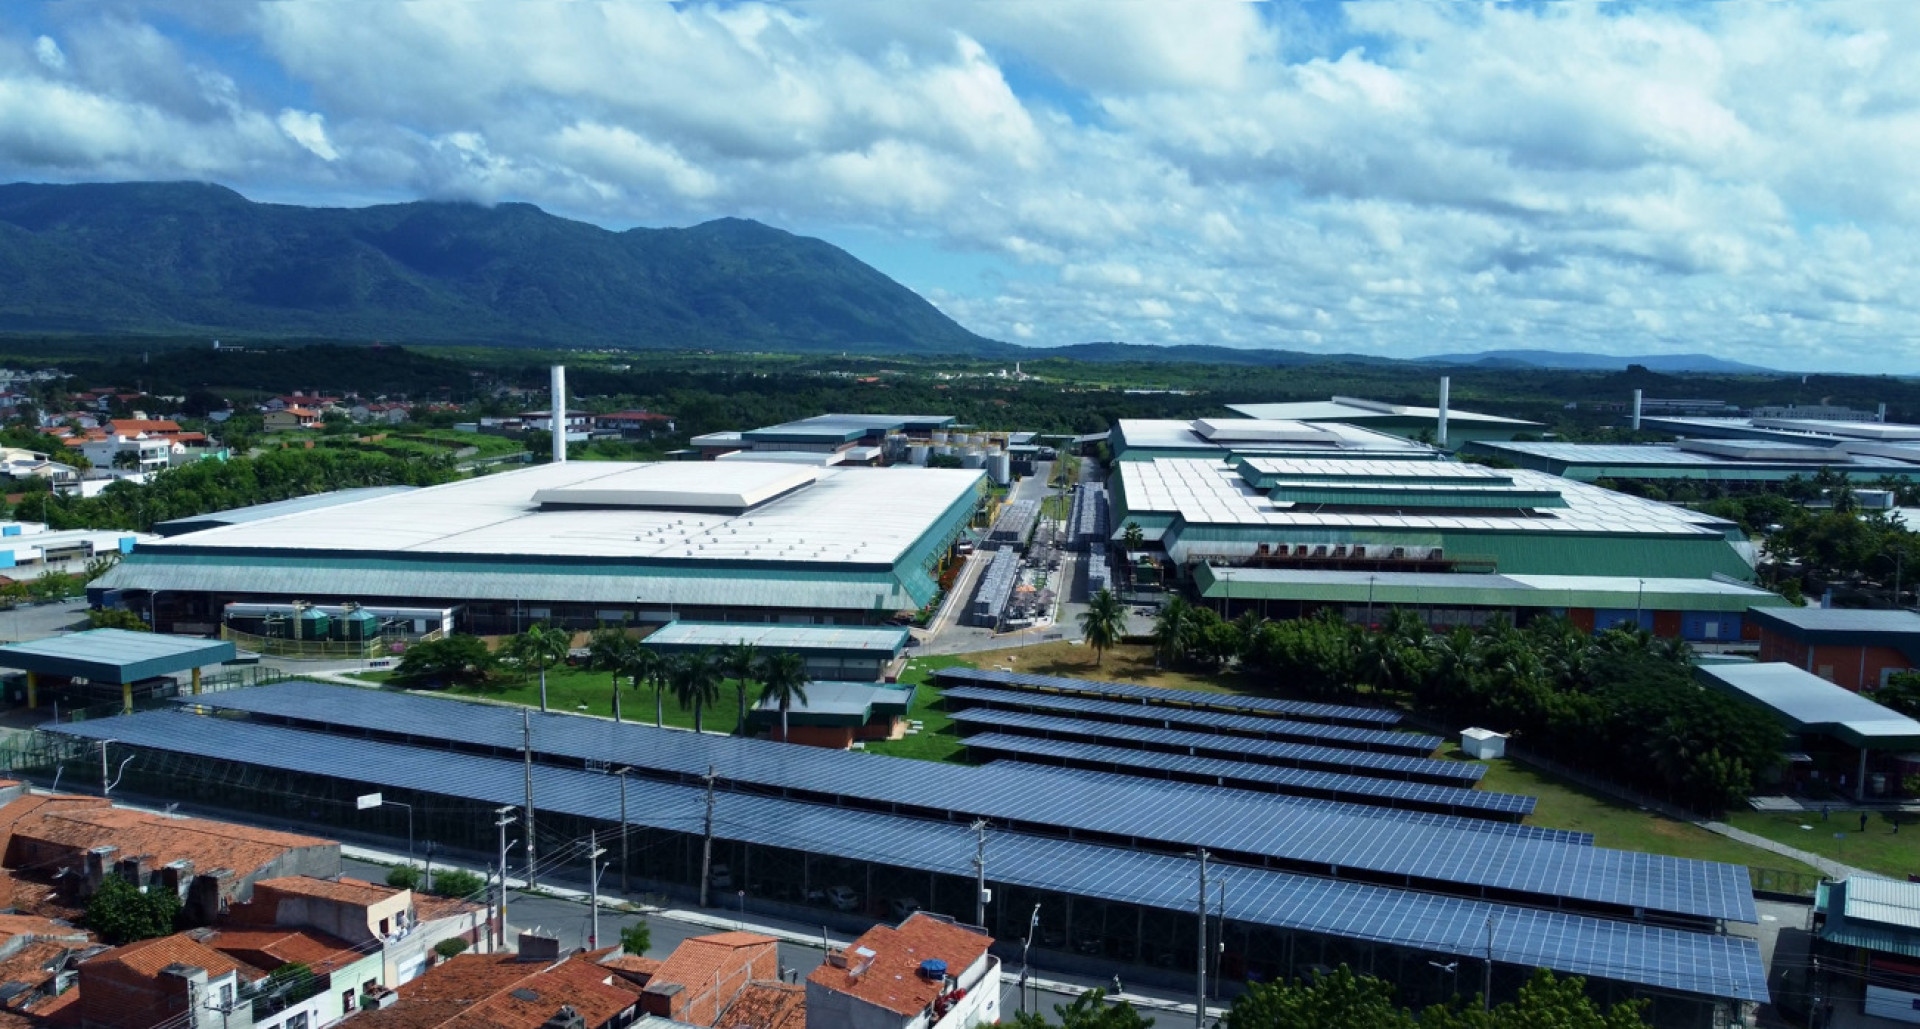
(929, 973)
(705, 975)
(1851, 648)
(402, 926)
(338, 974)
(174, 981)
(1869, 930)
(507, 991)
(634, 423)
(290, 418)
(836, 714)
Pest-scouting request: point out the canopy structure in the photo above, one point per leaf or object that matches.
(1809, 704)
(112, 656)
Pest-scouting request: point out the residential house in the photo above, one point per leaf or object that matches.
(73, 843)
(342, 974)
(929, 973)
(139, 453)
(175, 981)
(38, 957)
(403, 925)
(508, 991)
(1851, 648)
(704, 977)
(19, 463)
(290, 418)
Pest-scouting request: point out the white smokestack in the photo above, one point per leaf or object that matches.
(1446, 383)
(558, 388)
(1883, 412)
(1636, 410)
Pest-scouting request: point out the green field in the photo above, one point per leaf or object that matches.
(589, 692)
(935, 741)
(1880, 849)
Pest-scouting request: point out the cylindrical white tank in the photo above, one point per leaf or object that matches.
(917, 454)
(939, 437)
(973, 457)
(1000, 469)
(942, 450)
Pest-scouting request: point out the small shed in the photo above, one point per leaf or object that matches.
(1482, 744)
(112, 657)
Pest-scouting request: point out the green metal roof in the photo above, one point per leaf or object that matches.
(1447, 589)
(114, 655)
(1874, 914)
(1810, 704)
(839, 705)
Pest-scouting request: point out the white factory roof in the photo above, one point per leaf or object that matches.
(1215, 493)
(1359, 410)
(866, 515)
(1248, 436)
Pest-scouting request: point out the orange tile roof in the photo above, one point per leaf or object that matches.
(429, 908)
(893, 980)
(474, 991)
(271, 948)
(696, 960)
(150, 426)
(346, 889)
(764, 1005)
(145, 959)
(29, 925)
(81, 824)
(636, 963)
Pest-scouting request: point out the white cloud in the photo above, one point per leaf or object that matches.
(1368, 177)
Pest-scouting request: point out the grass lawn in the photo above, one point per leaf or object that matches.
(1879, 849)
(936, 740)
(1127, 662)
(1565, 805)
(589, 692)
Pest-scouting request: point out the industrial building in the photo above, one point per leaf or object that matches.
(1837, 735)
(583, 544)
(852, 653)
(1375, 515)
(29, 550)
(1728, 462)
(1444, 425)
(1856, 649)
(1147, 439)
(876, 439)
(832, 838)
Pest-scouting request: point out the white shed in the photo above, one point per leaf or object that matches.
(1481, 744)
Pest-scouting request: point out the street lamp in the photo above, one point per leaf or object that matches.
(1452, 968)
(368, 801)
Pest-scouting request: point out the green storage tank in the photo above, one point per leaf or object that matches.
(312, 624)
(356, 625)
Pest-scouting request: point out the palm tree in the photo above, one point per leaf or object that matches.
(542, 645)
(696, 683)
(1103, 623)
(1133, 536)
(742, 661)
(1172, 630)
(610, 650)
(784, 680)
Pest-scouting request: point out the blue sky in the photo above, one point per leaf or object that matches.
(1394, 179)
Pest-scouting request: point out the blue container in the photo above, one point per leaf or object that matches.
(933, 969)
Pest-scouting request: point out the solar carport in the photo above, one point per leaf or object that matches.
(111, 657)
(1811, 706)
(1132, 903)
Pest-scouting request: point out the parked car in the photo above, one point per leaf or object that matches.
(843, 899)
(720, 877)
(902, 908)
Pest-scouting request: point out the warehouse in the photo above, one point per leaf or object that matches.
(1728, 462)
(1414, 516)
(587, 543)
(1405, 420)
(1145, 439)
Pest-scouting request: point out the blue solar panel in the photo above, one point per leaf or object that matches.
(1349, 839)
(1254, 726)
(1180, 741)
(1705, 964)
(1246, 774)
(1373, 717)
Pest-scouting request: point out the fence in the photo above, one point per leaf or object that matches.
(324, 650)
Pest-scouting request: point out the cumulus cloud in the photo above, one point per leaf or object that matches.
(1368, 177)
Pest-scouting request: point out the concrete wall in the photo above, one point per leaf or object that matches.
(1853, 666)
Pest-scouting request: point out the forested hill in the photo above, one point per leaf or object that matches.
(190, 257)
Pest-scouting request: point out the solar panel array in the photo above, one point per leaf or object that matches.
(1362, 789)
(1696, 963)
(1344, 714)
(1181, 741)
(1341, 839)
(1221, 722)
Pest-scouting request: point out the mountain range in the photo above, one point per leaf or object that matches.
(176, 258)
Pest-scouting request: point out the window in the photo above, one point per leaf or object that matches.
(369, 986)
(383, 927)
(298, 1021)
(346, 1001)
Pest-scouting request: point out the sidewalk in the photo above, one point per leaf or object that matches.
(1827, 866)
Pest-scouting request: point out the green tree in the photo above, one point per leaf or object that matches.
(1901, 693)
(457, 883)
(451, 947)
(783, 676)
(612, 650)
(445, 661)
(637, 938)
(1133, 536)
(116, 618)
(1173, 628)
(122, 913)
(742, 663)
(1087, 1011)
(541, 646)
(695, 681)
(1337, 998)
(1103, 623)
(403, 877)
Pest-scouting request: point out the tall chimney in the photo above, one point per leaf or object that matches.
(1446, 383)
(1883, 412)
(1636, 410)
(559, 391)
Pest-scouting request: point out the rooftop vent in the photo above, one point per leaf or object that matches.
(525, 994)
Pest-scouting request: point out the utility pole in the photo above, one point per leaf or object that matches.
(505, 816)
(526, 751)
(106, 785)
(624, 834)
(593, 888)
(980, 873)
(1219, 930)
(706, 846)
(1200, 972)
(1486, 990)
